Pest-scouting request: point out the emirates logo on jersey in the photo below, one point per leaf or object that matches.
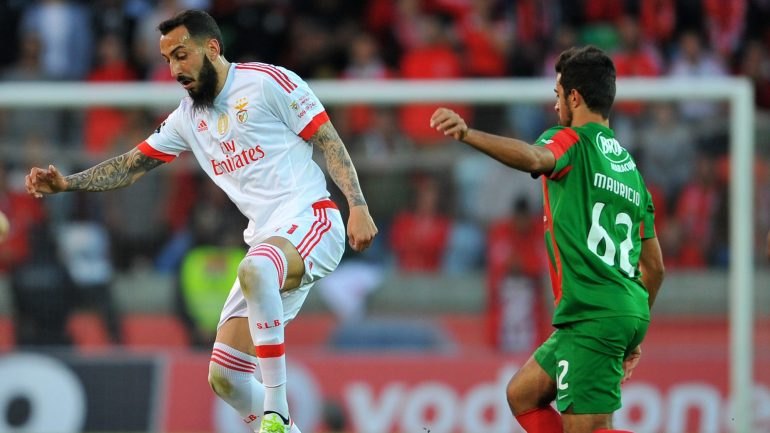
(235, 159)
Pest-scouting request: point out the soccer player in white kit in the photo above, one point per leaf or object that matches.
(252, 128)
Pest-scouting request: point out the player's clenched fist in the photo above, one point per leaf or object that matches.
(41, 181)
(361, 228)
(449, 122)
(5, 226)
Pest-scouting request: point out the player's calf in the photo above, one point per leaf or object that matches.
(231, 376)
(262, 273)
(588, 423)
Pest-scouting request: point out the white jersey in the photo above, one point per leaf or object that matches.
(252, 143)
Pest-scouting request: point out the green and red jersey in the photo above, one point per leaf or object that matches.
(597, 211)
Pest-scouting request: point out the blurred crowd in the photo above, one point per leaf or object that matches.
(442, 208)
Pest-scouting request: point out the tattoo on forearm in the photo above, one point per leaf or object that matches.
(114, 173)
(339, 164)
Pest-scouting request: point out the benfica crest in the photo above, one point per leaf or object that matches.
(242, 114)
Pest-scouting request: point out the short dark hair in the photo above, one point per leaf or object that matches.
(590, 71)
(198, 23)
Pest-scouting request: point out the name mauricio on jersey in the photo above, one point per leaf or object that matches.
(233, 160)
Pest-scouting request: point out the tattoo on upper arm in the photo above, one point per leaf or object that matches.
(338, 163)
(114, 173)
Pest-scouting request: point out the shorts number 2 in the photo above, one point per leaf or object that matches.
(563, 368)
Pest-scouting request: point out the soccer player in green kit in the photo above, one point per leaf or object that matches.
(606, 264)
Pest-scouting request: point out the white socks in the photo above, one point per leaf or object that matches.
(262, 273)
(231, 375)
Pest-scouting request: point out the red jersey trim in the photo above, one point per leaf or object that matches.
(563, 172)
(555, 268)
(562, 141)
(150, 151)
(313, 126)
(641, 232)
(276, 74)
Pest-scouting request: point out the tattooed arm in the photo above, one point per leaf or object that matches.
(338, 163)
(114, 173)
(361, 228)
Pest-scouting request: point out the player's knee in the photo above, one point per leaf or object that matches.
(512, 395)
(250, 271)
(520, 398)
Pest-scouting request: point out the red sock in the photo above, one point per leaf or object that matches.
(541, 420)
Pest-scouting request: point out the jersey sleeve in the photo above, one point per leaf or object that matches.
(292, 101)
(561, 142)
(166, 143)
(647, 227)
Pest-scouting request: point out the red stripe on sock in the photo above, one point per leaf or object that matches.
(216, 359)
(277, 259)
(272, 254)
(233, 359)
(270, 350)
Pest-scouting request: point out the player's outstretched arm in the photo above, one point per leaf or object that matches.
(114, 173)
(361, 227)
(510, 151)
(651, 265)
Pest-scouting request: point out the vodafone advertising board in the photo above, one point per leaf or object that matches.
(386, 393)
(459, 393)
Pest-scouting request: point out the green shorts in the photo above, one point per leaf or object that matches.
(586, 360)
